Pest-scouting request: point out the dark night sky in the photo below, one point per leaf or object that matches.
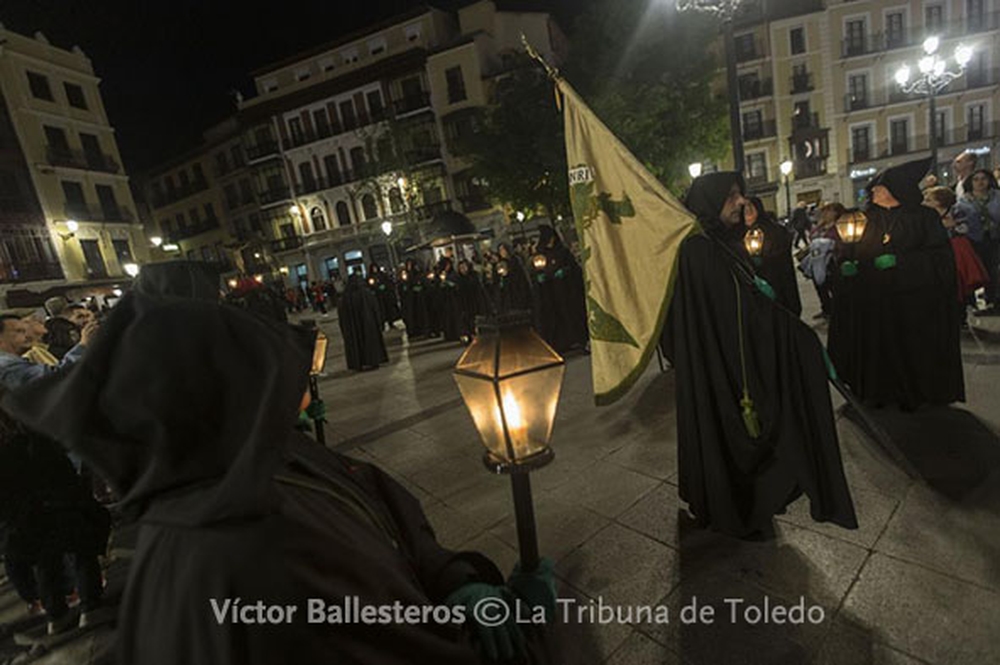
(166, 68)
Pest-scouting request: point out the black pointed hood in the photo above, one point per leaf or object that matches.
(184, 279)
(183, 406)
(903, 181)
(708, 194)
(547, 234)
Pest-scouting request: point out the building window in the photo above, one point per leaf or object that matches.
(375, 107)
(332, 170)
(752, 125)
(933, 18)
(857, 91)
(246, 192)
(221, 163)
(122, 250)
(318, 219)
(350, 121)
(326, 64)
(358, 161)
(94, 259)
(39, 85)
(977, 122)
(801, 116)
(855, 39)
(860, 144)
(109, 205)
(895, 30)
(321, 123)
(302, 75)
(349, 57)
(199, 175)
(74, 95)
(395, 201)
(237, 154)
(376, 46)
(76, 204)
(745, 47)
(797, 37)
(181, 221)
(185, 181)
(306, 176)
(295, 129)
(899, 136)
(209, 212)
(232, 197)
(58, 144)
(977, 73)
(975, 12)
(269, 85)
(941, 127)
(412, 32)
(456, 85)
(194, 216)
(369, 206)
(343, 215)
(757, 166)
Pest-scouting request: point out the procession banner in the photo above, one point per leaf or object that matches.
(630, 229)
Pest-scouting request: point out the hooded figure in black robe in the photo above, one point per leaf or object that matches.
(512, 287)
(385, 290)
(361, 326)
(894, 331)
(561, 306)
(774, 264)
(451, 301)
(749, 441)
(434, 297)
(187, 408)
(184, 279)
(472, 298)
(413, 294)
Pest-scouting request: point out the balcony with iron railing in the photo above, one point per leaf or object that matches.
(262, 150)
(192, 230)
(810, 168)
(474, 201)
(13, 271)
(422, 154)
(760, 182)
(858, 102)
(275, 194)
(87, 213)
(756, 89)
(748, 51)
(285, 244)
(81, 159)
(765, 130)
(802, 83)
(412, 103)
(805, 121)
(160, 199)
(915, 36)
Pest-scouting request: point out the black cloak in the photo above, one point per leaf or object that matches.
(413, 298)
(184, 279)
(561, 306)
(385, 291)
(775, 261)
(472, 299)
(361, 326)
(233, 503)
(894, 333)
(731, 480)
(451, 302)
(512, 289)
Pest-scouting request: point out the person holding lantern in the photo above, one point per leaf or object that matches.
(774, 258)
(512, 287)
(894, 332)
(561, 307)
(235, 508)
(755, 425)
(361, 326)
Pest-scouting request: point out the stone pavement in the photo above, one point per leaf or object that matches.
(918, 582)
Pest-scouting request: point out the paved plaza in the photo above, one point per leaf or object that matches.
(918, 582)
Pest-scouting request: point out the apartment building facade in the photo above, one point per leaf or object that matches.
(817, 87)
(54, 108)
(352, 146)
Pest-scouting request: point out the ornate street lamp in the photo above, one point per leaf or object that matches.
(786, 170)
(131, 269)
(510, 380)
(694, 170)
(935, 75)
(725, 11)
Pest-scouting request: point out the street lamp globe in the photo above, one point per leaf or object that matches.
(72, 226)
(156, 240)
(786, 167)
(131, 269)
(520, 216)
(387, 228)
(926, 64)
(903, 75)
(294, 210)
(694, 169)
(963, 55)
(401, 181)
(931, 44)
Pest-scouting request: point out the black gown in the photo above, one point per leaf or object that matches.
(561, 308)
(513, 289)
(894, 334)
(451, 307)
(775, 264)
(732, 481)
(472, 302)
(361, 326)
(233, 504)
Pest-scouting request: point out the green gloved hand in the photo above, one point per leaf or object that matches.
(537, 588)
(303, 424)
(381, 287)
(831, 371)
(885, 261)
(502, 642)
(559, 274)
(541, 278)
(316, 410)
(764, 287)
(849, 268)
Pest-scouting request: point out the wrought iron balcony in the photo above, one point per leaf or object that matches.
(81, 159)
(802, 83)
(86, 213)
(190, 231)
(274, 194)
(411, 103)
(285, 244)
(262, 149)
(766, 129)
(756, 89)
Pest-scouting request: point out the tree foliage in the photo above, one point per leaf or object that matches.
(644, 69)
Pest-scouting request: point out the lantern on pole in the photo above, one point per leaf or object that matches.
(539, 261)
(510, 380)
(851, 226)
(754, 242)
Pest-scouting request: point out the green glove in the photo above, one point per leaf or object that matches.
(560, 273)
(537, 588)
(885, 261)
(764, 287)
(849, 268)
(757, 261)
(541, 278)
(303, 424)
(381, 287)
(831, 371)
(316, 410)
(503, 642)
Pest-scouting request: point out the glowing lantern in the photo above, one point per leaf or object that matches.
(754, 241)
(851, 226)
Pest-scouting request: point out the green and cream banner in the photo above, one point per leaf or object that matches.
(630, 228)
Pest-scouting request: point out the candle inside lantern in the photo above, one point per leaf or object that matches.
(754, 241)
(539, 261)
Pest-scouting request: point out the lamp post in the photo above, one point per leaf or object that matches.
(786, 170)
(131, 269)
(510, 380)
(520, 221)
(935, 75)
(694, 170)
(387, 230)
(725, 10)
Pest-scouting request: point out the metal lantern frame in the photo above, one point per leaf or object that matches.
(754, 241)
(851, 226)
